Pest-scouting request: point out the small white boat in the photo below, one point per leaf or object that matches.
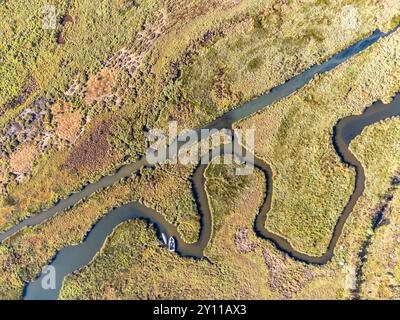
(164, 238)
(171, 244)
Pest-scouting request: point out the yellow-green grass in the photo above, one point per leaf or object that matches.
(56, 181)
(380, 272)
(248, 27)
(31, 52)
(143, 270)
(377, 148)
(311, 184)
(31, 249)
(269, 46)
(165, 275)
(99, 30)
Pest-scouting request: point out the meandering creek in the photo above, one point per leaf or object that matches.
(72, 258)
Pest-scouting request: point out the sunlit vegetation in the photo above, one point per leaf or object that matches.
(238, 264)
(379, 266)
(123, 70)
(236, 254)
(23, 255)
(311, 184)
(265, 49)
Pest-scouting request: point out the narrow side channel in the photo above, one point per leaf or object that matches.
(223, 122)
(73, 258)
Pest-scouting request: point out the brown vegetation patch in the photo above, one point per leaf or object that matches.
(21, 160)
(68, 125)
(59, 107)
(100, 85)
(67, 19)
(92, 152)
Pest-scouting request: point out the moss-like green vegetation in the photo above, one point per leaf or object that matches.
(311, 185)
(222, 183)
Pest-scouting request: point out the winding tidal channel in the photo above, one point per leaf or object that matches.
(72, 258)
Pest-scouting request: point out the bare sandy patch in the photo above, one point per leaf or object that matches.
(100, 85)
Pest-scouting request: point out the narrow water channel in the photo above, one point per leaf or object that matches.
(72, 258)
(223, 122)
(343, 133)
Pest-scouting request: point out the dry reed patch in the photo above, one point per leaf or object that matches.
(68, 125)
(99, 86)
(21, 160)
